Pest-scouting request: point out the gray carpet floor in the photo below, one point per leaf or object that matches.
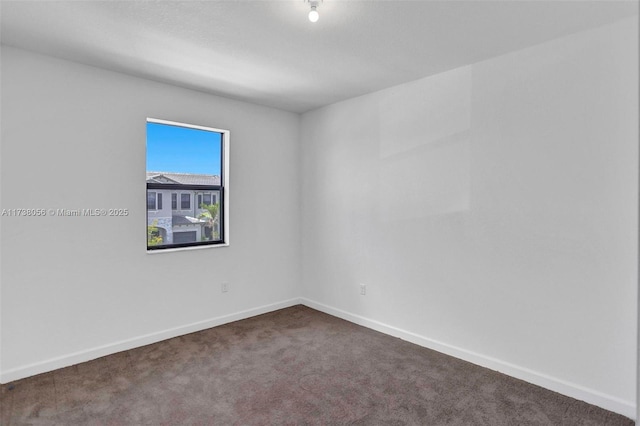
(292, 366)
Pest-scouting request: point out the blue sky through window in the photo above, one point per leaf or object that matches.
(183, 150)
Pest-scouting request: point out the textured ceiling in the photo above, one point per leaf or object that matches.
(267, 52)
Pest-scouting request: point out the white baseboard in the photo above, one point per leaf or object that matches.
(147, 339)
(608, 402)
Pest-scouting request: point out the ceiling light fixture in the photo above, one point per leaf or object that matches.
(313, 13)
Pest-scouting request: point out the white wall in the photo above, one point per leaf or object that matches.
(78, 287)
(491, 211)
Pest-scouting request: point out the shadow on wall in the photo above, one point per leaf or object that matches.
(424, 156)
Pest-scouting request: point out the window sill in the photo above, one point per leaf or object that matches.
(171, 250)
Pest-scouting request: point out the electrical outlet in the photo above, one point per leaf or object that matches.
(363, 289)
(224, 287)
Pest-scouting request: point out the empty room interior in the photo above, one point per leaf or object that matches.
(357, 212)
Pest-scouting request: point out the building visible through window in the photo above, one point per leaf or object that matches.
(185, 164)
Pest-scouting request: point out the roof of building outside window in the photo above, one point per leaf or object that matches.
(185, 220)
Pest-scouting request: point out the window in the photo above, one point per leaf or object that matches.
(151, 200)
(154, 201)
(190, 163)
(185, 201)
(206, 198)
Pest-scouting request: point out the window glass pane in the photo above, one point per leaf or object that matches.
(159, 203)
(174, 201)
(207, 198)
